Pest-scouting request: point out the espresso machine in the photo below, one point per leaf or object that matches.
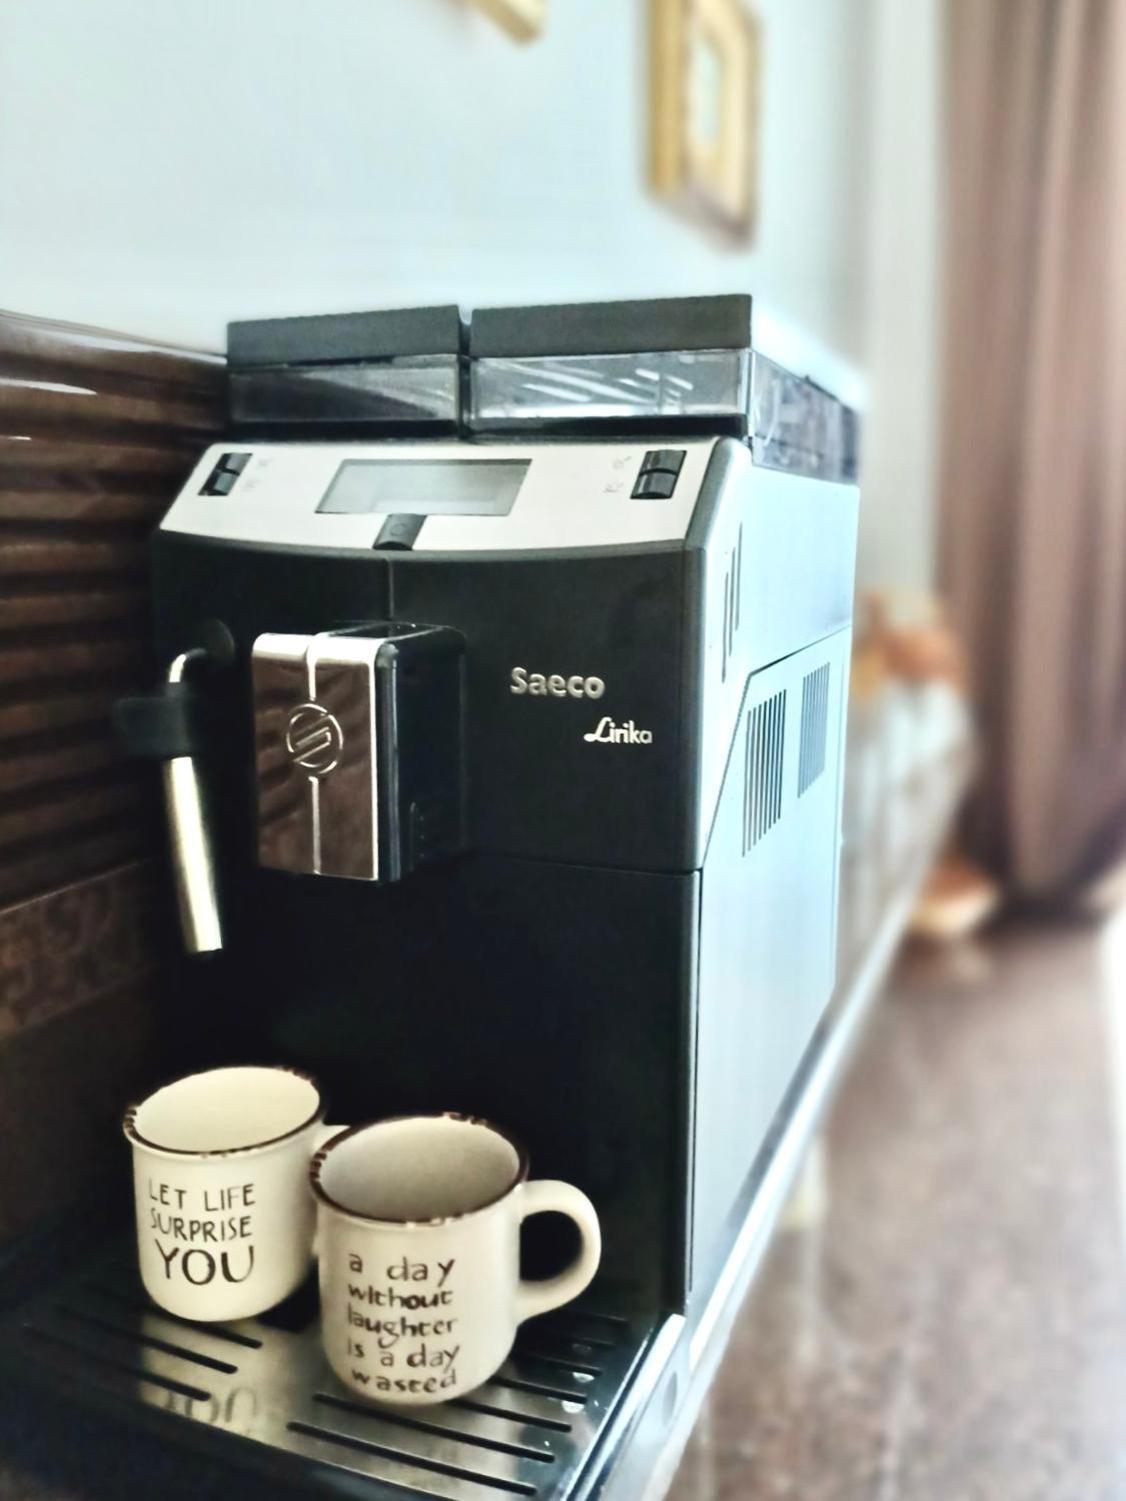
(501, 733)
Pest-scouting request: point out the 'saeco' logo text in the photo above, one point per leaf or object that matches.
(555, 684)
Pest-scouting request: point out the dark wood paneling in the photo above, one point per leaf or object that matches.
(29, 458)
(21, 716)
(75, 506)
(63, 1088)
(46, 759)
(37, 663)
(76, 944)
(90, 848)
(27, 552)
(38, 607)
(96, 433)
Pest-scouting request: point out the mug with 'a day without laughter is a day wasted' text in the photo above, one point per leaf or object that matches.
(418, 1239)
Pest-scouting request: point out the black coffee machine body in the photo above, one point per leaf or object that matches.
(504, 739)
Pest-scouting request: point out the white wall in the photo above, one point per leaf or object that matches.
(902, 354)
(168, 164)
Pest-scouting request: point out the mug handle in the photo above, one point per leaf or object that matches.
(539, 1197)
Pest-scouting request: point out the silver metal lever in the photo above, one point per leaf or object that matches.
(193, 863)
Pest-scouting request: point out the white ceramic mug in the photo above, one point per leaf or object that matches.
(225, 1218)
(418, 1238)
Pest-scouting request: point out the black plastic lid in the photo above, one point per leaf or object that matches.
(344, 337)
(652, 326)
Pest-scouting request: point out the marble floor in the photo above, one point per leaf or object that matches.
(944, 1318)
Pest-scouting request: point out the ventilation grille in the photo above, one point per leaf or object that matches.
(814, 726)
(732, 595)
(765, 752)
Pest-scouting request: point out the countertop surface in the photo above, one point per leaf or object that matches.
(943, 1315)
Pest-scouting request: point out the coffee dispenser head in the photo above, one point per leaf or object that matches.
(358, 759)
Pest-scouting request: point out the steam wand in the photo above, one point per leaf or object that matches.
(163, 725)
(193, 862)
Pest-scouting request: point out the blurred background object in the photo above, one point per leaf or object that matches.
(522, 19)
(704, 66)
(1033, 475)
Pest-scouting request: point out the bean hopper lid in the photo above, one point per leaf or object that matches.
(678, 364)
(394, 373)
(669, 366)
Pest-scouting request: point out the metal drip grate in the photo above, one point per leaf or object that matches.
(262, 1389)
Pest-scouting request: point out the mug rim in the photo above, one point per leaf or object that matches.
(402, 1222)
(133, 1135)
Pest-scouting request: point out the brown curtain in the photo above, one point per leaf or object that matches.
(1033, 527)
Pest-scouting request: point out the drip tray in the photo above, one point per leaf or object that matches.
(260, 1392)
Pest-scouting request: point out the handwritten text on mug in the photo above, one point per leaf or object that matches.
(200, 1218)
(410, 1333)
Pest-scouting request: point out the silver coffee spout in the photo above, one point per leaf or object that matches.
(358, 758)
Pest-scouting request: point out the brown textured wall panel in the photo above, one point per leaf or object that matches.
(27, 551)
(96, 432)
(62, 1088)
(92, 850)
(75, 944)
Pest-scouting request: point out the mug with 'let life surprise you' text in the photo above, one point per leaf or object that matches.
(221, 1182)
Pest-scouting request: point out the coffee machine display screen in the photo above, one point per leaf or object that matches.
(444, 487)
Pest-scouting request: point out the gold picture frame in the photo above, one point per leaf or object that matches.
(704, 79)
(522, 19)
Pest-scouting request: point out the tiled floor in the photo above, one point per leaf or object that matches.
(953, 1326)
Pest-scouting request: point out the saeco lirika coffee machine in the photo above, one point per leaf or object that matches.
(501, 735)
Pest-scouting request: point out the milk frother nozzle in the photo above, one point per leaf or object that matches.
(163, 725)
(193, 862)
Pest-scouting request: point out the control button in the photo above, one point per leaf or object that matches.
(669, 459)
(657, 484)
(219, 482)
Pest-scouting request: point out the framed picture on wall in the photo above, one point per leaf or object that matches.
(704, 72)
(522, 19)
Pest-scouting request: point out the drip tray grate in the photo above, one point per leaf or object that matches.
(261, 1389)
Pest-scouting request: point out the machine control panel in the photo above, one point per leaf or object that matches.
(449, 496)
